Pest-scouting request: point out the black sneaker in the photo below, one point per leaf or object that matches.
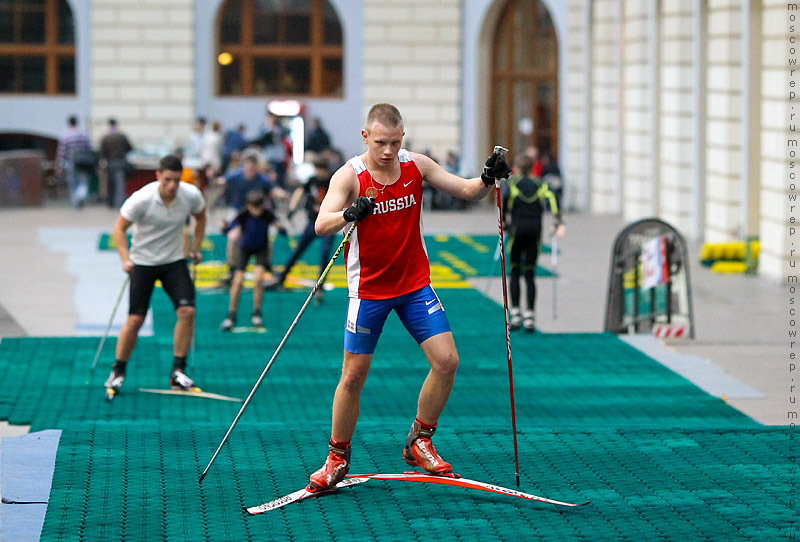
(115, 380)
(179, 381)
(529, 321)
(276, 283)
(515, 321)
(228, 323)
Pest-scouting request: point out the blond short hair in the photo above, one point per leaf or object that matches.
(385, 114)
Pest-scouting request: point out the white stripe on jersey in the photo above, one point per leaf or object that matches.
(358, 164)
(353, 265)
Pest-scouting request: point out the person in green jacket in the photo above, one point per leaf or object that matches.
(523, 208)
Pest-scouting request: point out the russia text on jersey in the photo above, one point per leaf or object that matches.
(398, 204)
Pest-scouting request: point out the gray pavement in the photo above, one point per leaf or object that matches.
(739, 319)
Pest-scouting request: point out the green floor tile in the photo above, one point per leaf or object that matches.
(596, 419)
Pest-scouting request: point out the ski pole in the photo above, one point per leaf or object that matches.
(554, 263)
(316, 287)
(501, 151)
(108, 327)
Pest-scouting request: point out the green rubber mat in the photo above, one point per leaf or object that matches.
(140, 482)
(556, 376)
(597, 420)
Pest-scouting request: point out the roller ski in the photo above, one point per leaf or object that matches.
(301, 495)
(353, 479)
(326, 480)
(463, 483)
(114, 381)
(194, 392)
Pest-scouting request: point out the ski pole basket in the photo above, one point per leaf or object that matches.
(648, 288)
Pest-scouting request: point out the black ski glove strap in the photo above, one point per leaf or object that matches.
(359, 210)
(495, 167)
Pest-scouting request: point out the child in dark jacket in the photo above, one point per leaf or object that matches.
(254, 222)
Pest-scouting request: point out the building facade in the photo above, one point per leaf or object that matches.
(678, 109)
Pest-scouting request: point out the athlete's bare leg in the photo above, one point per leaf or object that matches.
(347, 399)
(443, 357)
(127, 336)
(184, 328)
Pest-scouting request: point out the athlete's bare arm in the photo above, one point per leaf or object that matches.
(459, 187)
(342, 192)
(120, 237)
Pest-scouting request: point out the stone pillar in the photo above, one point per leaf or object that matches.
(780, 141)
(724, 123)
(606, 106)
(639, 171)
(677, 83)
(578, 163)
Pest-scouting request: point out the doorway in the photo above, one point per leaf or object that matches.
(524, 94)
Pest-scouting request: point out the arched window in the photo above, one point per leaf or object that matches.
(286, 47)
(37, 47)
(525, 77)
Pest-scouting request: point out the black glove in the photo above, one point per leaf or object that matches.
(495, 168)
(360, 209)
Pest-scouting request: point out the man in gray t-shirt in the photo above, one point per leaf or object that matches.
(158, 213)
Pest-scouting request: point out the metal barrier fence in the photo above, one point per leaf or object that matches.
(649, 289)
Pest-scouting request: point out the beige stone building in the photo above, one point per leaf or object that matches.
(680, 109)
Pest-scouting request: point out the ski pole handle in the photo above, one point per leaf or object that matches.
(500, 151)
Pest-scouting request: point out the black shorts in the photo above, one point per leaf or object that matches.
(263, 257)
(175, 280)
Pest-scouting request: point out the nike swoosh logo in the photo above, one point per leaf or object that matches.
(406, 184)
(429, 302)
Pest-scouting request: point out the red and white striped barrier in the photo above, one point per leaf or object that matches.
(670, 331)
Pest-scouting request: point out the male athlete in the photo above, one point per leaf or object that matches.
(158, 212)
(388, 269)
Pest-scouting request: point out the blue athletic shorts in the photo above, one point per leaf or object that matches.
(420, 311)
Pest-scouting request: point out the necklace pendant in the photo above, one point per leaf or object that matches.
(372, 192)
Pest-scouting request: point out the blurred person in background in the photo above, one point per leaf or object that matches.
(114, 149)
(76, 161)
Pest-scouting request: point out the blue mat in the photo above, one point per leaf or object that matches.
(26, 473)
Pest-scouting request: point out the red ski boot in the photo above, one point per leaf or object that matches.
(419, 451)
(332, 472)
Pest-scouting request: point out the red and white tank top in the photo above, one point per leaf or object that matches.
(386, 255)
